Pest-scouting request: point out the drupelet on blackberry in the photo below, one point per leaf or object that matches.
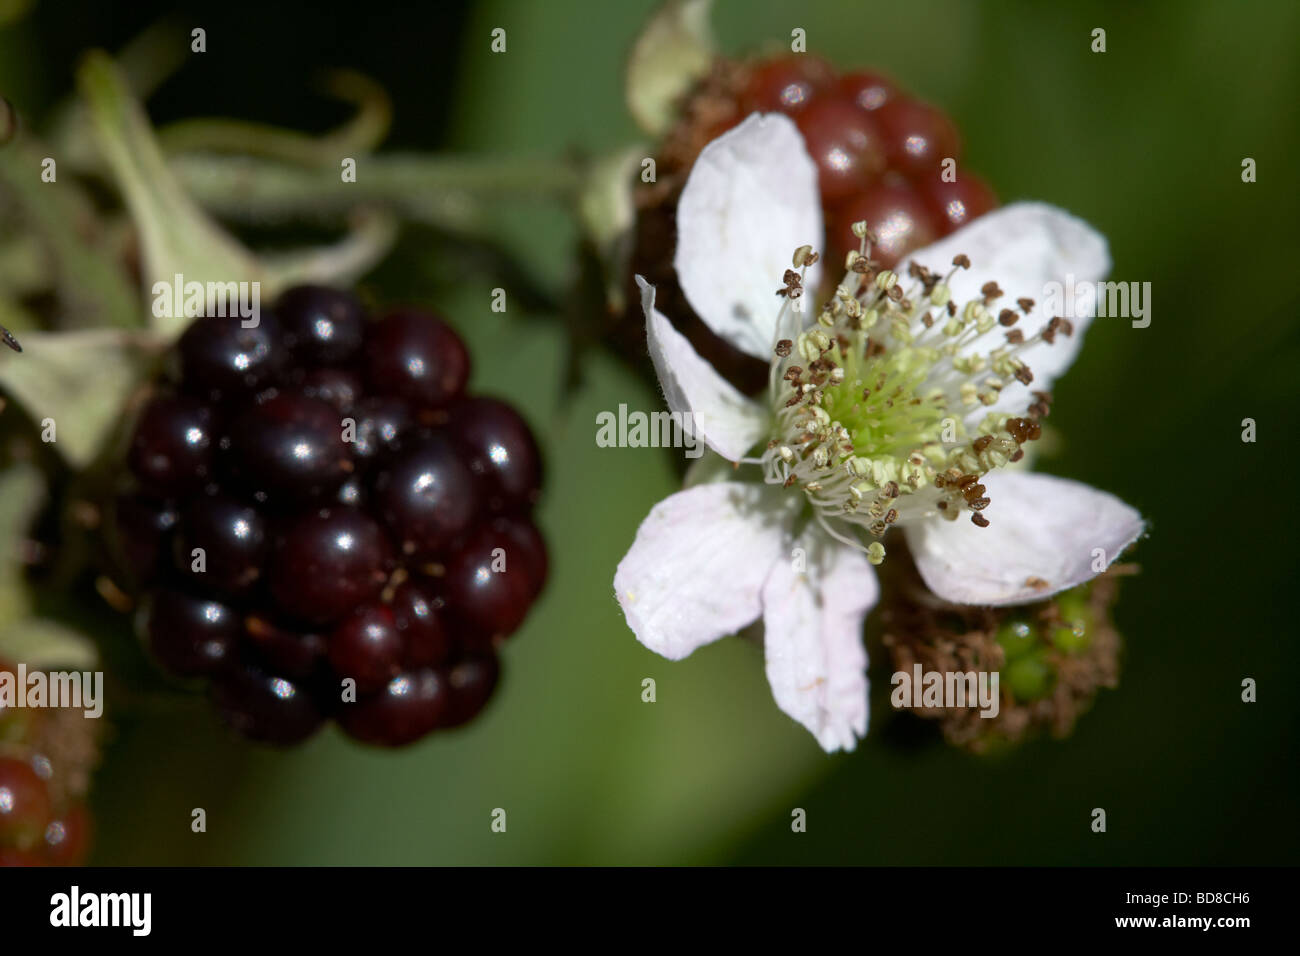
(322, 524)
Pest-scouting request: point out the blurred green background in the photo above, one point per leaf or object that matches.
(1145, 141)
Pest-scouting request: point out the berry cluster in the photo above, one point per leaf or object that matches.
(327, 525)
(45, 759)
(879, 154)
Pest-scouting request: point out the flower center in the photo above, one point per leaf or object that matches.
(877, 405)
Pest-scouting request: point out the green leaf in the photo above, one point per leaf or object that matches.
(606, 212)
(22, 492)
(176, 235)
(79, 380)
(41, 642)
(672, 53)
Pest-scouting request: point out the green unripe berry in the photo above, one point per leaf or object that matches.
(1071, 640)
(1016, 638)
(1029, 676)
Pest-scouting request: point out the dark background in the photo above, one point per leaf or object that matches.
(1145, 141)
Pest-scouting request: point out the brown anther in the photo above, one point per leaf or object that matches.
(895, 293)
(978, 520)
(973, 492)
(952, 308)
(1026, 305)
(965, 481)
(1037, 583)
(1019, 453)
(1067, 327)
(1023, 375)
(978, 504)
(789, 482)
(1020, 428)
(1015, 336)
(891, 516)
(792, 373)
(990, 291)
(943, 506)
(890, 490)
(962, 261)
(979, 444)
(784, 347)
(1008, 318)
(927, 320)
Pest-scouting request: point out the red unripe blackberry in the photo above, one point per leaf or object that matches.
(957, 203)
(312, 502)
(879, 157)
(788, 85)
(12, 856)
(67, 837)
(844, 142)
(867, 90)
(917, 136)
(895, 213)
(25, 808)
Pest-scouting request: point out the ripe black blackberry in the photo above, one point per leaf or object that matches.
(322, 524)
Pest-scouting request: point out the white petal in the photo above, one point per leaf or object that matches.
(1042, 538)
(750, 201)
(816, 660)
(695, 572)
(1024, 247)
(720, 414)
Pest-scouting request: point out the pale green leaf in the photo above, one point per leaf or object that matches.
(672, 53)
(77, 380)
(41, 642)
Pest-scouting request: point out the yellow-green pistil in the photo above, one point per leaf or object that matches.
(874, 405)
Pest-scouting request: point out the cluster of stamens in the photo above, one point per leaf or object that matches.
(874, 403)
